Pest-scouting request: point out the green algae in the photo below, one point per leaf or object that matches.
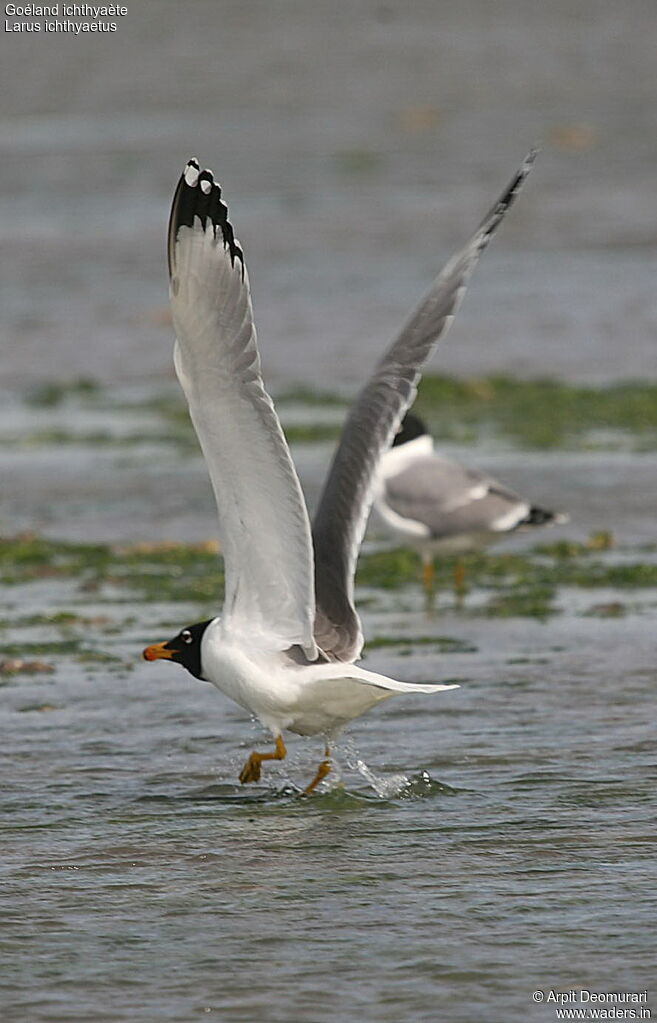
(189, 566)
(35, 649)
(511, 584)
(525, 602)
(440, 644)
(55, 393)
(318, 433)
(533, 414)
(543, 414)
(184, 439)
(189, 578)
(519, 585)
(58, 437)
(59, 648)
(24, 558)
(540, 413)
(66, 622)
(388, 570)
(310, 397)
(167, 572)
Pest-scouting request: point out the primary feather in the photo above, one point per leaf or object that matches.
(372, 423)
(263, 523)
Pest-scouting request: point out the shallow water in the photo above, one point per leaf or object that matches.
(469, 848)
(146, 884)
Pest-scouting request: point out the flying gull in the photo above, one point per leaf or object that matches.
(285, 646)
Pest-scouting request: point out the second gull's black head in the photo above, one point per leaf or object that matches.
(411, 428)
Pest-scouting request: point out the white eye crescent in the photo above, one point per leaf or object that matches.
(186, 636)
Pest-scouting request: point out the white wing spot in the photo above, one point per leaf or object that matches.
(508, 521)
(206, 186)
(191, 175)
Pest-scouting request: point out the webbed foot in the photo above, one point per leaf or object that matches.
(323, 769)
(252, 770)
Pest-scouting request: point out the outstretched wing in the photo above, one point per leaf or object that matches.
(263, 523)
(370, 428)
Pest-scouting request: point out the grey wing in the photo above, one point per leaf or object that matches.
(450, 500)
(371, 425)
(263, 523)
(432, 482)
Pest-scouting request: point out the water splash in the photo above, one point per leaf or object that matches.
(385, 788)
(401, 786)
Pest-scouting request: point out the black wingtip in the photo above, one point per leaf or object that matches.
(508, 196)
(198, 195)
(542, 517)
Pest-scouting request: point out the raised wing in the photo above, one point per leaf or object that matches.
(263, 523)
(370, 428)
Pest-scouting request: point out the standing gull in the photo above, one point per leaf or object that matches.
(285, 645)
(438, 506)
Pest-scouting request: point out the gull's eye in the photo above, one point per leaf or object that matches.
(186, 636)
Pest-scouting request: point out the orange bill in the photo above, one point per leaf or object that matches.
(157, 651)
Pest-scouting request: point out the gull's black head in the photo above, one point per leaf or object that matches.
(410, 429)
(185, 649)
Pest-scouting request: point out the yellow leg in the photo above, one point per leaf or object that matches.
(428, 576)
(323, 769)
(251, 770)
(459, 581)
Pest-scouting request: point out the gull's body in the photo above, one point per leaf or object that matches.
(285, 645)
(439, 506)
(305, 698)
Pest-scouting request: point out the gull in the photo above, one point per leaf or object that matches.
(285, 645)
(436, 505)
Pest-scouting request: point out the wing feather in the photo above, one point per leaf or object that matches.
(264, 529)
(372, 423)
